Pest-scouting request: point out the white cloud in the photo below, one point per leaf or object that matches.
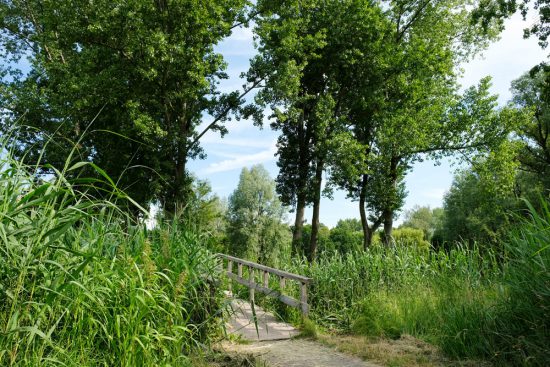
(241, 34)
(213, 139)
(242, 161)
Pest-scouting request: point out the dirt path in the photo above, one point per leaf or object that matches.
(272, 342)
(296, 353)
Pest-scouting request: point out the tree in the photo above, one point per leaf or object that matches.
(478, 205)
(409, 108)
(323, 238)
(125, 83)
(531, 96)
(347, 236)
(304, 52)
(256, 229)
(424, 218)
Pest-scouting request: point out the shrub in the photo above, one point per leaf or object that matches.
(410, 237)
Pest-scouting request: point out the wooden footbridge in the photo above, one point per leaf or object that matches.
(249, 320)
(270, 341)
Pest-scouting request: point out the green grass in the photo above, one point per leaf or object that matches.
(470, 303)
(83, 285)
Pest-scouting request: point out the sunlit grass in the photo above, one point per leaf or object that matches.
(471, 303)
(82, 284)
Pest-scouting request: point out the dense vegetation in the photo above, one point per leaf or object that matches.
(103, 104)
(470, 303)
(83, 284)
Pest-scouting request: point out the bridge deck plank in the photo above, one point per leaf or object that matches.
(269, 328)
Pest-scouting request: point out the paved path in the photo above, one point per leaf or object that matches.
(273, 343)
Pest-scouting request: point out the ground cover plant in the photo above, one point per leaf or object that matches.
(83, 285)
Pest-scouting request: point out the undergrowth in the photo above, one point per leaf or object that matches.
(470, 303)
(83, 285)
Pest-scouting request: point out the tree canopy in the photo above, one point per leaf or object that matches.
(126, 84)
(255, 219)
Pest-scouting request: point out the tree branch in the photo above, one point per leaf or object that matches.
(440, 148)
(224, 113)
(412, 20)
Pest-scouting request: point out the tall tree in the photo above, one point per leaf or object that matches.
(302, 47)
(408, 110)
(255, 219)
(125, 83)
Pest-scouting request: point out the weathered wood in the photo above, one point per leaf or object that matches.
(267, 291)
(303, 298)
(230, 271)
(251, 272)
(263, 285)
(278, 272)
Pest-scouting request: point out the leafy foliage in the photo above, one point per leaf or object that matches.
(255, 219)
(531, 95)
(490, 14)
(125, 82)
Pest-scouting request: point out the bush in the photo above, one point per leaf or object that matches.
(410, 237)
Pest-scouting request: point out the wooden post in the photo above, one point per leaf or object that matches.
(252, 282)
(239, 270)
(266, 279)
(282, 284)
(303, 299)
(230, 271)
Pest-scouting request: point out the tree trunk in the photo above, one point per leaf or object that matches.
(367, 235)
(299, 222)
(176, 199)
(316, 210)
(388, 226)
(368, 232)
(387, 213)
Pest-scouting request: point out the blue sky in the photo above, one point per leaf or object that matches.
(246, 145)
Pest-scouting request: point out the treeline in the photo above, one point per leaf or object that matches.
(358, 90)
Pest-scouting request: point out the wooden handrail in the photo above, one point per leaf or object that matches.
(278, 272)
(264, 285)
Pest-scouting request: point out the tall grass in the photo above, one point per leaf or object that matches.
(83, 285)
(469, 302)
(521, 330)
(342, 283)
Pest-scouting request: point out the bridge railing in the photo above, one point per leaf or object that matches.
(263, 285)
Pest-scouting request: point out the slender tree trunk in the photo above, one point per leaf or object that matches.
(299, 222)
(387, 213)
(368, 232)
(316, 210)
(388, 226)
(367, 235)
(177, 199)
(302, 189)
